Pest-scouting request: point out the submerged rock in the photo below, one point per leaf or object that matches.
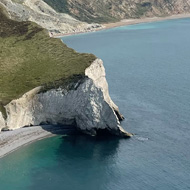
(87, 105)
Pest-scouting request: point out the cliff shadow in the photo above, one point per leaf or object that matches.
(61, 129)
(80, 162)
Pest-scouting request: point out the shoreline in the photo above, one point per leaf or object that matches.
(10, 141)
(13, 140)
(127, 22)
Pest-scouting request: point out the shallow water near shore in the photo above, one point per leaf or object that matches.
(148, 71)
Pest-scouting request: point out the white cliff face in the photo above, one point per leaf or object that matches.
(88, 105)
(41, 13)
(97, 73)
(2, 122)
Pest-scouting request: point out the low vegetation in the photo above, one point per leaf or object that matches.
(30, 58)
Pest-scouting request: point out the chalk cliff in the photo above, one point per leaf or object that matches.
(2, 121)
(85, 103)
(43, 81)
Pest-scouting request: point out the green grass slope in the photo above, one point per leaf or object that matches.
(30, 58)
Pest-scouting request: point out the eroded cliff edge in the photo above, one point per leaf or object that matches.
(85, 103)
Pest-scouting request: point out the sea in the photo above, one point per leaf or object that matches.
(148, 72)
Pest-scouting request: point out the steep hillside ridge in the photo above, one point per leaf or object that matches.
(41, 13)
(111, 10)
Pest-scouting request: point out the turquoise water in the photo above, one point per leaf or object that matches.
(148, 71)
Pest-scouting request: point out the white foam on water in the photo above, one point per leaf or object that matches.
(142, 138)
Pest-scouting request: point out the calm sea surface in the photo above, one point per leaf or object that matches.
(148, 71)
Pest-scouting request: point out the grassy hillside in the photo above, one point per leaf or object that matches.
(30, 58)
(102, 11)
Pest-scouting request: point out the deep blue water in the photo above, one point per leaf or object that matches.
(148, 71)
